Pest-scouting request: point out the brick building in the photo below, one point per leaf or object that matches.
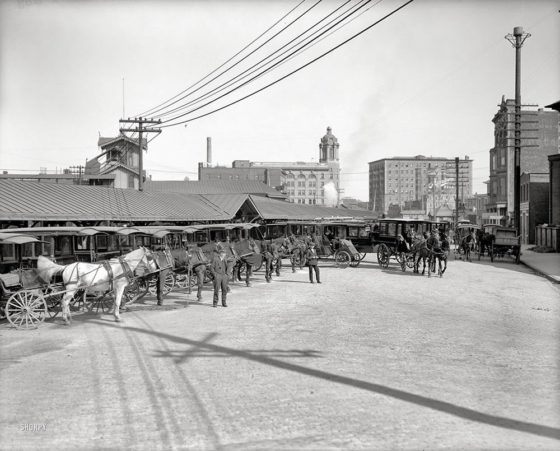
(428, 182)
(534, 200)
(302, 182)
(539, 139)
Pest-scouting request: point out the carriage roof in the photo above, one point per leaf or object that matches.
(14, 238)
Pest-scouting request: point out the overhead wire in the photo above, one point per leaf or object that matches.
(259, 75)
(148, 112)
(260, 64)
(152, 113)
(290, 73)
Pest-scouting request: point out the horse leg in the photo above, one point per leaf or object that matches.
(65, 304)
(118, 291)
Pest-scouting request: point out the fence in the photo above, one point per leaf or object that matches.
(548, 236)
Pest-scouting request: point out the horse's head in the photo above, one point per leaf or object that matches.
(142, 258)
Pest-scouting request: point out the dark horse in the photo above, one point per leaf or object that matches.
(438, 248)
(419, 251)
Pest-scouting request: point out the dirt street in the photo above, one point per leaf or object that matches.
(369, 359)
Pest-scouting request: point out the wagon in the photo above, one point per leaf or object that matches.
(23, 294)
(461, 233)
(500, 242)
(331, 241)
(385, 237)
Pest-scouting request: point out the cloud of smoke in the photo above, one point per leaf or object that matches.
(331, 196)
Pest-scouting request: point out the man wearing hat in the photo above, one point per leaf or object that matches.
(313, 262)
(219, 269)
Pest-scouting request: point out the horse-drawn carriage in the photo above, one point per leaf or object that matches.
(499, 242)
(405, 241)
(465, 240)
(331, 241)
(28, 294)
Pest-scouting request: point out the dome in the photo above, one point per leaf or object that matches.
(329, 138)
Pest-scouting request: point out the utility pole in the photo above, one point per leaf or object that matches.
(456, 191)
(140, 129)
(517, 40)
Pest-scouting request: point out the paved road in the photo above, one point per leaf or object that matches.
(370, 359)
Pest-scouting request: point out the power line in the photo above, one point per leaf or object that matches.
(241, 60)
(260, 64)
(294, 71)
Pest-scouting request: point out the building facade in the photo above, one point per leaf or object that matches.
(533, 207)
(303, 182)
(427, 183)
(539, 139)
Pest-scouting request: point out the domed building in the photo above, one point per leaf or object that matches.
(302, 182)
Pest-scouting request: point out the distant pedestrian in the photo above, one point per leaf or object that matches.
(313, 263)
(276, 258)
(218, 268)
(267, 258)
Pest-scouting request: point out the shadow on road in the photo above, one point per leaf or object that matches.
(261, 356)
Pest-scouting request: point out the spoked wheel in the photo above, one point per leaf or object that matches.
(383, 255)
(77, 303)
(168, 284)
(26, 309)
(131, 293)
(410, 261)
(53, 300)
(100, 302)
(355, 262)
(182, 280)
(342, 259)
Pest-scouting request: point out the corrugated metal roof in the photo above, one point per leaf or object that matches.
(230, 203)
(212, 187)
(270, 209)
(26, 200)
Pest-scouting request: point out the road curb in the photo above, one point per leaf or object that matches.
(553, 279)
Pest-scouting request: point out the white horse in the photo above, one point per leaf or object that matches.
(110, 275)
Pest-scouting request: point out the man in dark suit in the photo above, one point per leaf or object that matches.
(219, 269)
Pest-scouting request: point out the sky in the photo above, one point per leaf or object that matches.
(426, 80)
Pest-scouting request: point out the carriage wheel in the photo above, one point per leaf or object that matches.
(182, 280)
(103, 302)
(53, 300)
(168, 284)
(383, 255)
(355, 262)
(130, 293)
(410, 261)
(342, 259)
(26, 309)
(77, 303)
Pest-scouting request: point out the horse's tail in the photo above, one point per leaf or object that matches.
(47, 268)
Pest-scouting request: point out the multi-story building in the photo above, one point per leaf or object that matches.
(539, 139)
(426, 182)
(303, 182)
(533, 206)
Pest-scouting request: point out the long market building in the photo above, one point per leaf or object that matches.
(29, 203)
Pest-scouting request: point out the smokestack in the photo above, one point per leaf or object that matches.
(209, 151)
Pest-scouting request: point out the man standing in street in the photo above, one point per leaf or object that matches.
(219, 270)
(313, 263)
(268, 259)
